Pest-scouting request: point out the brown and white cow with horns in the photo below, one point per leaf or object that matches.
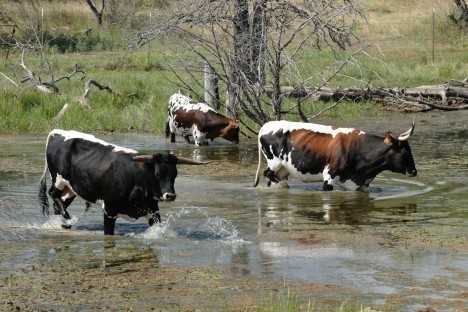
(339, 155)
(198, 120)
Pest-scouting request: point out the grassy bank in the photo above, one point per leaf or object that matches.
(142, 82)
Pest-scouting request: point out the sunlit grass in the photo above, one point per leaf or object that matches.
(142, 82)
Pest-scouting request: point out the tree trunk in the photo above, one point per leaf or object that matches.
(242, 37)
(232, 102)
(258, 42)
(460, 13)
(211, 87)
(97, 13)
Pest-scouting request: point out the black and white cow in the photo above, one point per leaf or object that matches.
(344, 157)
(127, 183)
(198, 120)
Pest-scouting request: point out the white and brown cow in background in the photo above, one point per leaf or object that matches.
(337, 155)
(198, 120)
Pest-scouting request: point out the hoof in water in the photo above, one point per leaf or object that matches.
(66, 226)
(327, 187)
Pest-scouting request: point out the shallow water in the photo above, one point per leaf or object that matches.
(404, 244)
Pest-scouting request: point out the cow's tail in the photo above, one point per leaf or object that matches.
(257, 175)
(43, 200)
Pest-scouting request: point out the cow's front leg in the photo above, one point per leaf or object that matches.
(187, 139)
(155, 218)
(172, 137)
(199, 137)
(327, 179)
(109, 225)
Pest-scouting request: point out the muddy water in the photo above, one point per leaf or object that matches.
(401, 247)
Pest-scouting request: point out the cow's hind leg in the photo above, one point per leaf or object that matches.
(62, 199)
(56, 195)
(277, 177)
(67, 202)
(271, 176)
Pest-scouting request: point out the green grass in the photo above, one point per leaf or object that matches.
(138, 103)
(289, 302)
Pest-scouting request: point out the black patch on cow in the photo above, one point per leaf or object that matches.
(96, 172)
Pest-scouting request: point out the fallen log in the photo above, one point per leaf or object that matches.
(450, 96)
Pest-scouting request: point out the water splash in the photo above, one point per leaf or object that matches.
(55, 222)
(194, 224)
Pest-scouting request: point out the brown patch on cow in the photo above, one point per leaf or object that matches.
(67, 193)
(343, 145)
(312, 142)
(334, 151)
(213, 124)
(347, 141)
(231, 132)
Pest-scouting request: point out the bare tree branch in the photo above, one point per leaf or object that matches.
(98, 13)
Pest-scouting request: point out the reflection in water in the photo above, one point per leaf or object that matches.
(348, 239)
(284, 211)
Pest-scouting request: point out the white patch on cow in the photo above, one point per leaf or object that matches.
(284, 167)
(72, 134)
(61, 183)
(180, 101)
(198, 136)
(285, 126)
(326, 175)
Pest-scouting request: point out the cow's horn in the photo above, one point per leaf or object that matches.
(407, 134)
(142, 157)
(187, 161)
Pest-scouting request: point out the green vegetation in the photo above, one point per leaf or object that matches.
(400, 55)
(289, 302)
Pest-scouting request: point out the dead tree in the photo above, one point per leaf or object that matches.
(211, 87)
(98, 13)
(83, 100)
(449, 96)
(254, 43)
(39, 83)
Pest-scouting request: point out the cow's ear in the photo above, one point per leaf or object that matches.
(389, 139)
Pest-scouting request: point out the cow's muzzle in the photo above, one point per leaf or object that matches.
(412, 173)
(168, 197)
